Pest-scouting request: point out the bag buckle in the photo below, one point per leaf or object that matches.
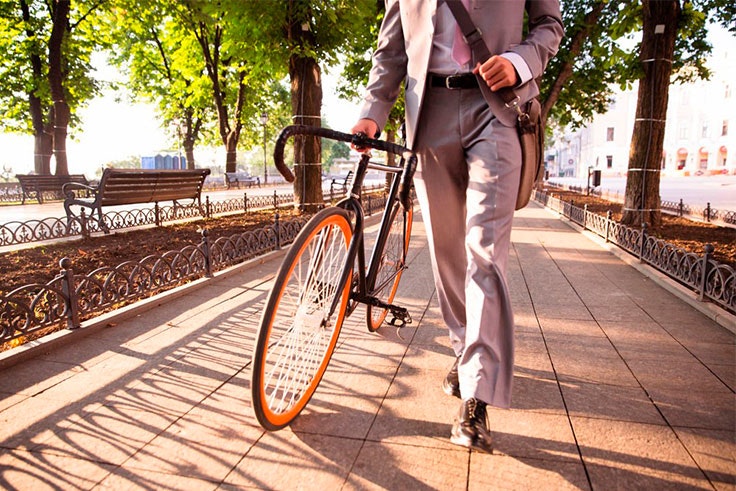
(514, 104)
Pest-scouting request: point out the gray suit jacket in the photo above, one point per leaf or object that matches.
(405, 41)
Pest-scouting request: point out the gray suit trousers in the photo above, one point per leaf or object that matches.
(466, 183)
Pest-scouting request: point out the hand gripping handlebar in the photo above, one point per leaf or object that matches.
(359, 140)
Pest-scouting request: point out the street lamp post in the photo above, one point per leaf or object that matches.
(264, 120)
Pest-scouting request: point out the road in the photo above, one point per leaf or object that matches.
(719, 191)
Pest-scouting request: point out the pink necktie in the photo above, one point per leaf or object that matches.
(460, 49)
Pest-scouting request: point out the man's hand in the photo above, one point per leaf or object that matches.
(498, 72)
(366, 126)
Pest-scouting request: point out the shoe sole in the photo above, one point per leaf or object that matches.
(468, 443)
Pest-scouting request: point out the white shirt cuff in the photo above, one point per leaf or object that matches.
(522, 69)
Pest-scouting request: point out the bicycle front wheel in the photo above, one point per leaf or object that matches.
(299, 328)
(390, 253)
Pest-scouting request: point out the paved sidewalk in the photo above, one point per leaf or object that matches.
(619, 385)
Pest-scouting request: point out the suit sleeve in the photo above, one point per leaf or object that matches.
(388, 69)
(545, 34)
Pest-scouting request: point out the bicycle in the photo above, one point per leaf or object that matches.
(319, 284)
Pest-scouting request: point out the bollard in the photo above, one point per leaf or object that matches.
(70, 298)
(681, 208)
(245, 203)
(709, 249)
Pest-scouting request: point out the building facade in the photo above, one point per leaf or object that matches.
(700, 135)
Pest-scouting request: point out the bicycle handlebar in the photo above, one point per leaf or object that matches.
(359, 140)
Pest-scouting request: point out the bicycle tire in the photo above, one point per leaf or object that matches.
(295, 341)
(393, 248)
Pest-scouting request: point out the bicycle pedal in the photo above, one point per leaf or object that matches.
(400, 318)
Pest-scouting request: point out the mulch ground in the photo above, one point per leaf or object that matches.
(40, 264)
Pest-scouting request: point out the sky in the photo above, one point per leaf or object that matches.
(115, 130)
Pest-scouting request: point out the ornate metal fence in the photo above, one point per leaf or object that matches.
(32, 310)
(709, 279)
(17, 232)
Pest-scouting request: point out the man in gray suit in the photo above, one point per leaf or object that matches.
(468, 172)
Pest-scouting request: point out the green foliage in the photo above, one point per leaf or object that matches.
(23, 39)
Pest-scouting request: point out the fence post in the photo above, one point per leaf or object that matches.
(707, 212)
(643, 241)
(207, 209)
(245, 203)
(276, 228)
(585, 217)
(609, 214)
(207, 253)
(709, 249)
(156, 214)
(83, 223)
(681, 208)
(72, 309)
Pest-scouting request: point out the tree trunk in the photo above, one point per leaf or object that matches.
(56, 83)
(43, 140)
(306, 106)
(642, 203)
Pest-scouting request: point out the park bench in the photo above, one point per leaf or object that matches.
(35, 185)
(238, 178)
(131, 186)
(341, 184)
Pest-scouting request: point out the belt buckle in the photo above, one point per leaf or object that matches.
(448, 82)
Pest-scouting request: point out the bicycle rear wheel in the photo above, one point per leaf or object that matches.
(391, 253)
(298, 333)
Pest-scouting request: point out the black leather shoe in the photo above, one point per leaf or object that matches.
(471, 427)
(451, 384)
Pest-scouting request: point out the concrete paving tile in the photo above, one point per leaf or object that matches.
(534, 365)
(562, 311)
(715, 453)
(109, 434)
(531, 434)
(672, 374)
(583, 348)
(285, 460)
(570, 327)
(726, 373)
(537, 394)
(626, 455)
(33, 378)
(512, 473)
(416, 411)
(529, 342)
(35, 471)
(346, 402)
(632, 313)
(124, 478)
(393, 466)
(697, 409)
(610, 402)
(713, 353)
(525, 320)
(703, 331)
(202, 444)
(8, 400)
(608, 370)
(666, 349)
(644, 332)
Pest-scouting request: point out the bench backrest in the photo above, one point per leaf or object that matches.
(43, 182)
(128, 186)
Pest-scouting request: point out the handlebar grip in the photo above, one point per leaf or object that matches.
(357, 140)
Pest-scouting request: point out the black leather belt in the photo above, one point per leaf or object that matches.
(458, 81)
